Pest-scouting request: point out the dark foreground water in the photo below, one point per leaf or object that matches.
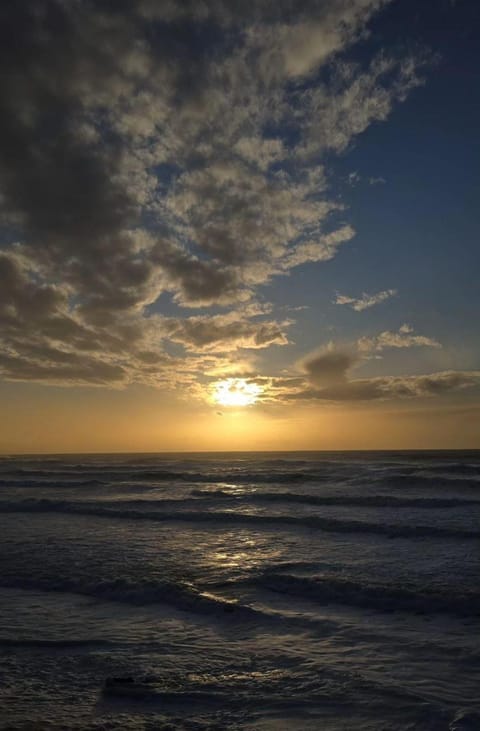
(258, 591)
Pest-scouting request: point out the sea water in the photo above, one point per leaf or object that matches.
(257, 591)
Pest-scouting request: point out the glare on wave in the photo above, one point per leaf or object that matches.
(236, 392)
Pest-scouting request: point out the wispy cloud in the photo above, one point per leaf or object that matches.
(366, 300)
(405, 337)
(354, 178)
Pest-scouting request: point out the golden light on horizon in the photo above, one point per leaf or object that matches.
(236, 392)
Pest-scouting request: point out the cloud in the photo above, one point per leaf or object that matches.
(300, 47)
(169, 149)
(404, 338)
(327, 376)
(321, 250)
(389, 387)
(328, 367)
(366, 300)
(224, 332)
(354, 178)
(334, 115)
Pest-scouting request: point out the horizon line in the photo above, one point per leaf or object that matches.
(243, 451)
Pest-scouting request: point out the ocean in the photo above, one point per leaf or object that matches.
(256, 591)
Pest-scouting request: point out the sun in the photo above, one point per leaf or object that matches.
(236, 392)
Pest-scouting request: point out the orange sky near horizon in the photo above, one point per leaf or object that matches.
(54, 420)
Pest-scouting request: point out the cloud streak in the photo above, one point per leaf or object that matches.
(366, 300)
(389, 387)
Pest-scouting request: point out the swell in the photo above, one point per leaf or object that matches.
(380, 501)
(213, 518)
(380, 597)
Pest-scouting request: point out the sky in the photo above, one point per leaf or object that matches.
(239, 225)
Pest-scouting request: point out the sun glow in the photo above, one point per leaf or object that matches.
(236, 392)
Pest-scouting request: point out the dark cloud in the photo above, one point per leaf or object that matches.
(197, 282)
(329, 367)
(58, 62)
(75, 370)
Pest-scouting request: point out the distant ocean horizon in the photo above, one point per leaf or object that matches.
(166, 452)
(255, 590)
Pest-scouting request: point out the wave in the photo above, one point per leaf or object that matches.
(187, 597)
(25, 478)
(380, 501)
(7, 642)
(420, 467)
(465, 720)
(458, 468)
(183, 595)
(325, 590)
(421, 480)
(52, 483)
(314, 475)
(312, 522)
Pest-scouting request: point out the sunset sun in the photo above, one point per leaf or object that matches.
(236, 392)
